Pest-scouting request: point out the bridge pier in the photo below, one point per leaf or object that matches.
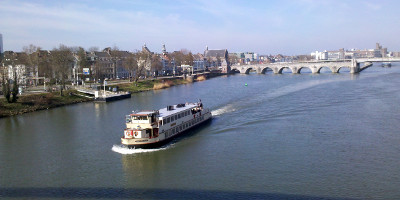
(355, 67)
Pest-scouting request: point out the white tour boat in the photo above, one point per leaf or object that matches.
(149, 129)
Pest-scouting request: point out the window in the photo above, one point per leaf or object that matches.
(176, 117)
(179, 115)
(172, 118)
(168, 120)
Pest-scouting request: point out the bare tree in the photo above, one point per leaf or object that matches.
(62, 60)
(178, 57)
(184, 51)
(83, 62)
(45, 68)
(93, 49)
(32, 62)
(156, 64)
(131, 65)
(189, 59)
(233, 59)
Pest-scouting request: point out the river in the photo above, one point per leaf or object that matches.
(304, 136)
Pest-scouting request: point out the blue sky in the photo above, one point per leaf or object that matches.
(288, 27)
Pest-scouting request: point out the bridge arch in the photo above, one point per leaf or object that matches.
(304, 67)
(280, 70)
(248, 70)
(324, 68)
(266, 69)
(343, 67)
(234, 71)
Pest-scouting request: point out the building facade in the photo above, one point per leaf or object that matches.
(217, 60)
(1, 44)
(378, 52)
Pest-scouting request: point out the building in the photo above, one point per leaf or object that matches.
(14, 66)
(1, 44)
(199, 62)
(341, 54)
(217, 60)
(167, 62)
(320, 55)
(146, 61)
(102, 65)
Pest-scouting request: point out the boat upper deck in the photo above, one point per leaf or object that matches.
(164, 112)
(168, 111)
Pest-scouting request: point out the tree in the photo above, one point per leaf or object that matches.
(10, 59)
(178, 56)
(233, 59)
(45, 68)
(189, 59)
(116, 57)
(6, 87)
(33, 59)
(131, 65)
(83, 62)
(15, 88)
(156, 64)
(62, 59)
(93, 49)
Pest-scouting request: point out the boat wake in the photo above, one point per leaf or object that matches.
(125, 150)
(289, 89)
(226, 109)
(268, 95)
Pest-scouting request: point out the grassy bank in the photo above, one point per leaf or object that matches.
(33, 102)
(147, 85)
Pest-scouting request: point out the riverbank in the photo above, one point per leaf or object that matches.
(42, 101)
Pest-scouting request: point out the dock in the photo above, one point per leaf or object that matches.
(104, 96)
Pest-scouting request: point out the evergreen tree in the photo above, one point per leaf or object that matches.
(6, 90)
(15, 89)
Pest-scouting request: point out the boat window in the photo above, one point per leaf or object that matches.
(179, 115)
(176, 117)
(172, 118)
(140, 118)
(128, 119)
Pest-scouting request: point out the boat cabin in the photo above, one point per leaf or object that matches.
(143, 117)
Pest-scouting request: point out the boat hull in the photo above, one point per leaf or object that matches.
(166, 141)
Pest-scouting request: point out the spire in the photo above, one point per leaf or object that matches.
(163, 49)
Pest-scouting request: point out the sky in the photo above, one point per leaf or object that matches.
(289, 27)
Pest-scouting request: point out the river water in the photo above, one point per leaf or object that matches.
(305, 136)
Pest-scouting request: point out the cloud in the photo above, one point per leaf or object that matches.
(262, 26)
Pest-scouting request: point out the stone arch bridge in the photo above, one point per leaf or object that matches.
(315, 67)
